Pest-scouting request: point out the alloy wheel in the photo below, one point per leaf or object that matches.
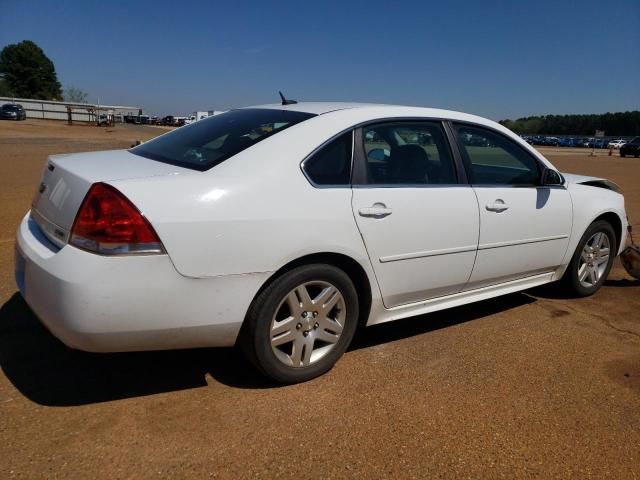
(307, 324)
(594, 260)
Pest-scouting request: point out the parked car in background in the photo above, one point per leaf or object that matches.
(577, 142)
(103, 120)
(544, 141)
(12, 111)
(274, 228)
(631, 148)
(137, 119)
(598, 143)
(616, 143)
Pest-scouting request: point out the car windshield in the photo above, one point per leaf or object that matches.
(10, 108)
(209, 142)
(635, 140)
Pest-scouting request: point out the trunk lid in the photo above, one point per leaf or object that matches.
(66, 179)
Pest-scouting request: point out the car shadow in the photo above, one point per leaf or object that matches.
(553, 291)
(418, 325)
(49, 373)
(625, 282)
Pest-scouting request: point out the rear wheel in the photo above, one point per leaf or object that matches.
(592, 260)
(301, 323)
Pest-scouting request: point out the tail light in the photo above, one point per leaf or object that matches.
(109, 224)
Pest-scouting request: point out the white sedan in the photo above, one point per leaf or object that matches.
(616, 144)
(281, 228)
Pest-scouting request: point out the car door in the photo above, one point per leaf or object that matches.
(524, 227)
(419, 223)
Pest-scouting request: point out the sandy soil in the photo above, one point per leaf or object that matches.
(530, 385)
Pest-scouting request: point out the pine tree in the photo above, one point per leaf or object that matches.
(28, 72)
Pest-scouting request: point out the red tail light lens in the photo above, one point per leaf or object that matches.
(109, 224)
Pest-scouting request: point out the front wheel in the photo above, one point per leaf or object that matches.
(300, 324)
(592, 260)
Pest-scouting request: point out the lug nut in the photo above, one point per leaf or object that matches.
(305, 333)
(316, 325)
(298, 326)
(315, 314)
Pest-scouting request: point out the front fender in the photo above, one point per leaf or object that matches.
(589, 204)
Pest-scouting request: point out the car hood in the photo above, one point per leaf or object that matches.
(573, 179)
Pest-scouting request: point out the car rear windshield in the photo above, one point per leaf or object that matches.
(209, 142)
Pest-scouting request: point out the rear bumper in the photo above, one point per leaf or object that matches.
(126, 303)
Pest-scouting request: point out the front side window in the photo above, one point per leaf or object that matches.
(209, 142)
(408, 153)
(331, 165)
(493, 159)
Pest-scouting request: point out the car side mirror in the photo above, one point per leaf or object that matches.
(551, 178)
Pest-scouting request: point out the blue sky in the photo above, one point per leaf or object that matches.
(499, 59)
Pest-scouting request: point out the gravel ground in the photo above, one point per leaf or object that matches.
(529, 385)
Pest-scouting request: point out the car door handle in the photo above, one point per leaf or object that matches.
(377, 210)
(497, 206)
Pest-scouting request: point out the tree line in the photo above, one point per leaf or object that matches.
(613, 124)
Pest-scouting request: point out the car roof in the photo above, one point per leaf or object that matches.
(320, 108)
(316, 108)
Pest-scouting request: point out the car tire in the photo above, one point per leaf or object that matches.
(293, 337)
(589, 267)
(622, 155)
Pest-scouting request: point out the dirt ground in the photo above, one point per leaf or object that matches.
(530, 385)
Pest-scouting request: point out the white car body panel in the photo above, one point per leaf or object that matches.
(406, 247)
(67, 178)
(102, 304)
(590, 203)
(529, 237)
(226, 233)
(383, 315)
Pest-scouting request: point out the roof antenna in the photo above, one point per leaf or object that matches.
(285, 101)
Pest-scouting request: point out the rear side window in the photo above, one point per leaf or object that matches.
(209, 142)
(495, 159)
(331, 165)
(408, 153)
